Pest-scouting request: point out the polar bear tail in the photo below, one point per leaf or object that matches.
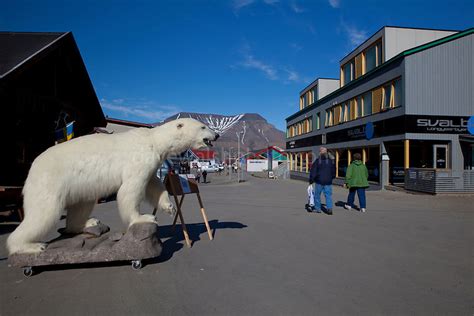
(40, 218)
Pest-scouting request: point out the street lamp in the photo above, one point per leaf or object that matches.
(230, 163)
(238, 153)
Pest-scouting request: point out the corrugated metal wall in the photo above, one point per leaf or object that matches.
(439, 81)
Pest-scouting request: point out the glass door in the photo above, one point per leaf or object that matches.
(440, 155)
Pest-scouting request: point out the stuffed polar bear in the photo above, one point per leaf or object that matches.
(73, 175)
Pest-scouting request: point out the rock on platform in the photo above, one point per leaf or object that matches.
(141, 241)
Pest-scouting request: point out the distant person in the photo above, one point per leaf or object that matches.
(323, 171)
(357, 181)
(204, 176)
(198, 175)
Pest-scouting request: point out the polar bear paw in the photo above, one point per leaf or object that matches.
(91, 222)
(145, 218)
(32, 248)
(168, 207)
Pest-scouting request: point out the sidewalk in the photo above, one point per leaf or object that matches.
(409, 254)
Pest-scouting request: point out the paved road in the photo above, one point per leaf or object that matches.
(409, 254)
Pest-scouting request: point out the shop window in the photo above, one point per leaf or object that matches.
(342, 163)
(367, 103)
(372, 163)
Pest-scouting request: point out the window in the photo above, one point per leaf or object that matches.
(379, 53)
(371, 58)
(359, 107)
(329, 117)
(358, 66)
(377, 95)
(352, 110)
(347, 73)
(367, 103)
(398, 92)
(387, 96)
(337, 114)
(318, 121)
(344, 112)
(315, 94)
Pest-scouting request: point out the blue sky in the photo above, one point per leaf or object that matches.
(151, 59)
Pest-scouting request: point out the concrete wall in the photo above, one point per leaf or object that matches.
(326, 86)
(397, 40)
(439, 80)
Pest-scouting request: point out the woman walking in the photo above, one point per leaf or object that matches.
(356, 180)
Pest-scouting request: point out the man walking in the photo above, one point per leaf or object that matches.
(323, 171)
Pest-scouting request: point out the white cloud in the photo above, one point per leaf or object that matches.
(141, 109)
(356, 36)
(335, 3)
(296, 8)
(253, 63)
(293, 76)
(296, 47)
(239, 4)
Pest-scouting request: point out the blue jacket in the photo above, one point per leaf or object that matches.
(323, 171)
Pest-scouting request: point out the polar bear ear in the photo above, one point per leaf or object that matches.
(179, 125)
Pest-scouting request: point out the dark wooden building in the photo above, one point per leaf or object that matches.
(44, 85)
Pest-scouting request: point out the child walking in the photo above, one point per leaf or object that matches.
(357, 181)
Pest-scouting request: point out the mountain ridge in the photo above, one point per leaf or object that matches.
(255, 132)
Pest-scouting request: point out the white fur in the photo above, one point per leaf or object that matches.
(74, 174)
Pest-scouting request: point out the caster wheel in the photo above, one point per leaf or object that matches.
(27, 271)
(136, 264)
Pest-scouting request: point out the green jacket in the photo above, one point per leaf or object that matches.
(357, 175)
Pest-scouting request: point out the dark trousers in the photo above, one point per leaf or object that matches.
(360, 194)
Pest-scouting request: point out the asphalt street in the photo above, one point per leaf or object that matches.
(408, 254)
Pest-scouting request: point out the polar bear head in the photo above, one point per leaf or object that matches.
(186, 133)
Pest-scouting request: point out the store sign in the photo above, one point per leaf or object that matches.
(457, 125)
(428, 124)
(305, 142)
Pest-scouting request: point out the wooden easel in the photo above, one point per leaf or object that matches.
(173, 186)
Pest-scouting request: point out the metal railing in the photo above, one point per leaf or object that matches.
(439, 181)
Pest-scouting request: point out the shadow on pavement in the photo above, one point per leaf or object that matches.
(175, 236)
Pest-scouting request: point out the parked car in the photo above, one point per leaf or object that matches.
(210, 168)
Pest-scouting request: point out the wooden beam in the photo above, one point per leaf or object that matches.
(406, 153)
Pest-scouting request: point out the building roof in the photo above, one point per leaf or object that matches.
(398, 57)
(128, 123)
(18, 48)
(204, 154)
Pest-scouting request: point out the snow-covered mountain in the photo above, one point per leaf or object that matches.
(255, 132)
